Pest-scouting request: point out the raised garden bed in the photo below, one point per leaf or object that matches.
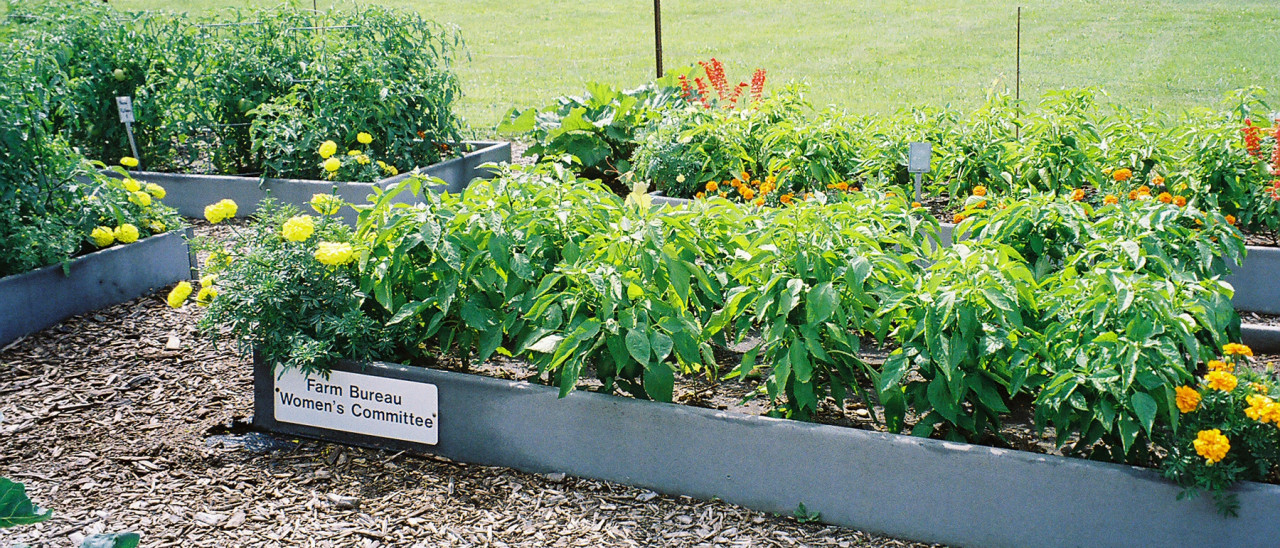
(904, 486)
(38, 299)
(189, 194)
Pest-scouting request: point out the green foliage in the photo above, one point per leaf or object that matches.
(112, 540)
(597, 132)
(252, 92)
(16, 509)
(277, 299)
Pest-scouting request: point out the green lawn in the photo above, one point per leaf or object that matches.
(864, 55)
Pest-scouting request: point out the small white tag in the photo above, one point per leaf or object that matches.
(125, 106)
(361, 404)
(918, 157)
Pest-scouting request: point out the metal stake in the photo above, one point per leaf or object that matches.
(657, 33)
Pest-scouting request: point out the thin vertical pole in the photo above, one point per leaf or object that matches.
(1017, 78)
(657, 34)
(1017, 85)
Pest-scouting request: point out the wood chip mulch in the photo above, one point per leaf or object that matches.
(126, 419)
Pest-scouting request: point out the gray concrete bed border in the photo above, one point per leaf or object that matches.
(34, 300)
(189, 194)
(915, 488)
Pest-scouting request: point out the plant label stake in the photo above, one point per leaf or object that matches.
(125, 106)
(918, 157)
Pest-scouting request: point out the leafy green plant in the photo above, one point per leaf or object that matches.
(1228, 431)
(15, 508)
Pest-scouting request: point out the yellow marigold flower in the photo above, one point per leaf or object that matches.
(1237, 349)
(364, 138)
(207, 280)
(328, 149)
(1165, 197)
(129, 161)
(141, 198)
(1219, 365)
(156, 227)
(1187, 398)
(1110, 199)
(392, 171)
(206, 296)
(1259, 407)
(102, 236)
(332, 164)
(1231, 220)
(353, 152)
(979, 191)
(221, 211)
(298, 228)
(1077, 195)
(179, 294)
(712, 186)
(334, 253)
(1212, 445)
(1180, 201)
(1122, 174)
(1221, 380)
(326, 204)
(126, 233)
(132, 185)
(363, 159)
(156, 190)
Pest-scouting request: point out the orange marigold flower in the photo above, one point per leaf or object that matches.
(747, 193)
(1157, 180)
(785, 198)
(724, 194)
(1165, 197)
(1260, 408)
(1219, 365)
(980, 205)
(1231, 220)
(1133, 195)
(1110, 199)
(699, 195)
(959, 218)
(1221, 380)
(1180, 201)
(1212, 445)
(842, 185)
(712, 186)
(745, 176)
(1077, 195)
(1187, 398)
(1144, 189)
(1237, 349)
(760, 202)
(1122, 174)
(979, 190)
(890, 195)
(915, 204)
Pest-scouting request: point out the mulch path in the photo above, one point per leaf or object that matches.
(107, 418)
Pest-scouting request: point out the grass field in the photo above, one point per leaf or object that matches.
(865, 55)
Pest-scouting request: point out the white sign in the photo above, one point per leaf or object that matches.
(362, 404)
(125, 106)
(918, 157)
